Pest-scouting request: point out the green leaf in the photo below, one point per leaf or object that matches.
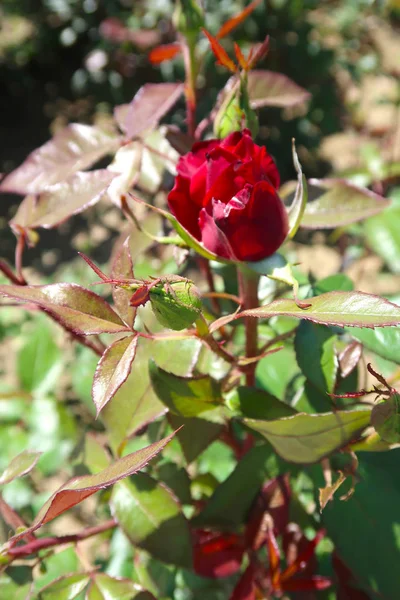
(65, 588)
(257, 404)
(305, 439)
(384, 342)
(185, 396)
(177, 479)
(298, 206)
(343, 203)
(38, 361)
(78, 489)
(152, 519)
(79, 309)
(95, 456)
(385, 418)
(20, 465)
(104, 587)
(316, 356)
(351, 309)
(382, 233)
(135, 404)
(365, 529)
(231, 501)
(197, 433)
(275, 372)
(113, 370)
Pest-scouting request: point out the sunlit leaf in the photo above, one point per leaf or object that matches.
(384, 342)
(79, 309)
(306, 438)
(112, 370)
(80, 488)
(351, 309)
(135, 404)
(126, 168)
(185, 396)
(150, 515)
(20, 465)
(148, 106)
(257, 404)
(299, 202)
(339, 203)
(267, 88)
(65, 588)
(122, 268)
(385, 418)
(62, 200)
(316, 355)
(72, 149)
(104, 587)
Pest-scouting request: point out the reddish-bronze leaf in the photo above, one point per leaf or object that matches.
(79, 309)
(112, 370)
(148, 106)
(76, 490)
(72, 149)
(245, 589)
(218, 554)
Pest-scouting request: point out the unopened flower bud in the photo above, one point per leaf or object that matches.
(176, 303)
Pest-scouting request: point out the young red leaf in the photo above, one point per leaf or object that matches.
(239, 57)
(245, 588)
(218, 554)
(77, 308)
(72, 149)
(112, 370)
(164, 52)
(237, 19)
(62, 200)
(219, 52)
(76, 490)
(274, 558)
(303, 558)
(316, 582)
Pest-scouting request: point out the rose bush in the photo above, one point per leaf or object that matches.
(225, 194)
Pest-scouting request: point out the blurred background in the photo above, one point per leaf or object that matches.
(72, 60)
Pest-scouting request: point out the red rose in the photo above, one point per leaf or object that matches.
(225, 196)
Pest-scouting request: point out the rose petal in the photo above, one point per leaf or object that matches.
(213, 238)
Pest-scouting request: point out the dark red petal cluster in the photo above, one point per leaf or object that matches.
(225, 196)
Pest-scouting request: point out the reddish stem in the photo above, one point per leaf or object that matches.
(19, 252)
(248, 292)
(44, 543)
(188, 50)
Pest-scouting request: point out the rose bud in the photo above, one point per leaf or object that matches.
(176, 304)
(225, 196)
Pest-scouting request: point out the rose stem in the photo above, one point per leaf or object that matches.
(248, 293)
(188, 48)
(42, 543)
